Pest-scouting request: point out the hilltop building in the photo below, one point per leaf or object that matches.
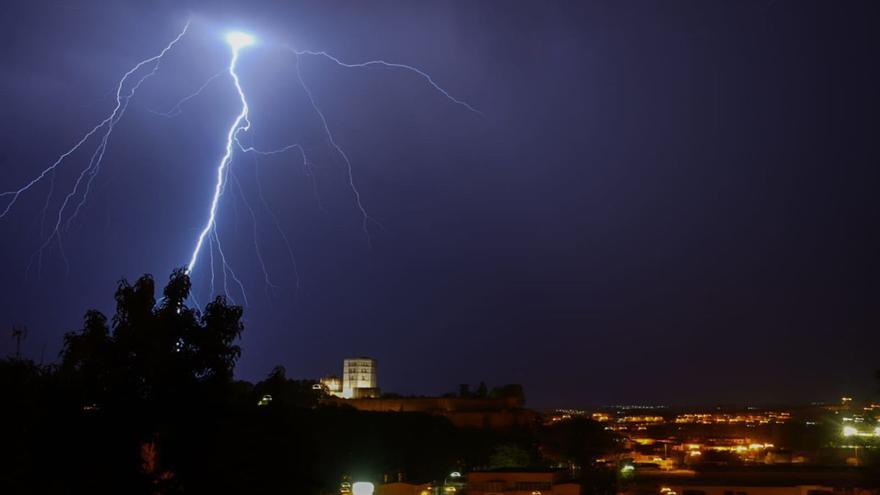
(332, 384)
(359, 380)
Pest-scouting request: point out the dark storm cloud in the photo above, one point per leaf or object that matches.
(666, 201)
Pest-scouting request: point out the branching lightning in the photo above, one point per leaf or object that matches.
(257, 250)
(177, 109)
(427, 77)
(275, 217)
(109, 122)
(208, 233)
(366, 218)
(237, 41)
(90, 171)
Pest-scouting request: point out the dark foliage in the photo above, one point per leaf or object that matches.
(125, 390)
(145, 402)
(578, 442)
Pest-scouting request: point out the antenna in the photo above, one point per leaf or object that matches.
(18, 334)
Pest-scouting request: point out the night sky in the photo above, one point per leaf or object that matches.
(665, 202)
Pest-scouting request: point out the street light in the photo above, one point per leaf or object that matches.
(452, 483)
(362, 488)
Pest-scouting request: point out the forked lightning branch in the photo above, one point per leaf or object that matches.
(208, 238)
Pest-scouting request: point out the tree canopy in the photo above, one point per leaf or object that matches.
(145, 401)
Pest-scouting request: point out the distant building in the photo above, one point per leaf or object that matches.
(332, 385)
(359, 378)
(756, 480)
(733, 488)
(520, 482)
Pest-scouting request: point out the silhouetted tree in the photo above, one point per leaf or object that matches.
(579, 442)
(19, 333)
(286, 392)
(145, 402)
(482, 391)
(140, 385)
(509, 455)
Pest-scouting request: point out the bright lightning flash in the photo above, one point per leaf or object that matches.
(125, 91)
(237, 40)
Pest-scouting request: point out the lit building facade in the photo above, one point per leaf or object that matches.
(332, 385)
(359, 379)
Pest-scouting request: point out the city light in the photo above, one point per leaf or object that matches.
(852, 431)
(362, 488)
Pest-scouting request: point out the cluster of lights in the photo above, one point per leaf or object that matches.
(565, 414)
(644, 440)
(852, 431)
(736, 448)
(641, 419)
(572, 412)
(695, 449)
(636, 406)
(712, 418)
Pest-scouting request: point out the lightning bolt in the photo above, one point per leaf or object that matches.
(109, 122)
(275, 217)
(254, 224)
(177, 108)
(424, 75)
(237, 41)
(307, 170)
(365, 217)
(91, 170)
(126, 88)
(242, 124)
